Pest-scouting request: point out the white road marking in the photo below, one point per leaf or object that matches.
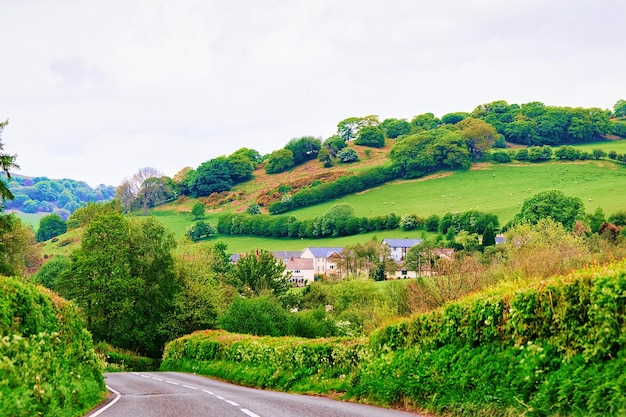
(145, 376)
(109, 405)
(172, 382)
(249, 413)
(232, 403)
(157, 379)
(219, 398)
(190, 387)
(208, 392)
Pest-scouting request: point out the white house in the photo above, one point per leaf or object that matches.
(302, 271)
(400, 247)
(324, 259)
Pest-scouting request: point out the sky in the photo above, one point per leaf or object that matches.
(96, 90)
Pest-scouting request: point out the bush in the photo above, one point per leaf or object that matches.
(49, 366)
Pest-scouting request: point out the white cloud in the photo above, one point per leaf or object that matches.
(95, 90)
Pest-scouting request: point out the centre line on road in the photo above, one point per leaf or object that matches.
(219, 398)
(249, 413)
(208, 392)
(172, 382)
(232, 403)
(190, 387)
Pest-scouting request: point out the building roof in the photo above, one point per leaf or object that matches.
(287, 255)
(234, 258)
(322, 252)
(402, 243)
(299, 264)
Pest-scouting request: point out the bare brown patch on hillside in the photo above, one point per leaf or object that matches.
(481, 166)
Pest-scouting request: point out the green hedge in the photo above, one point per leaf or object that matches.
(287, 363)
(47, 362)
(548, 348)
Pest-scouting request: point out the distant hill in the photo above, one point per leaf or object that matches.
(45, 195)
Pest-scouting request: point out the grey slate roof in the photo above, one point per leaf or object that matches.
(321, 252)
(402, 243)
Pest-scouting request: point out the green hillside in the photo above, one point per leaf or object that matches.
(541, 348)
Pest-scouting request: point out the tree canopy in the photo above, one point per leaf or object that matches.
(551, 204)
(7, 162)
(123, 277)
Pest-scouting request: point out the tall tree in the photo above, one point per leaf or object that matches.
(551, 204)
(259, 271)
(619, 109)
(304, 149)
(213, 176)
(123, 278)
(7, 162)
(478, 135)
(50, 226)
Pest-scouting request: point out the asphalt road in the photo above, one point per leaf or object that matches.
(173, 394)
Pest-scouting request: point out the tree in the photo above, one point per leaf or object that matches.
(18, 251)
(199, 230)
(260, 316)
(50, 226)
(7, 162)
(426, 121)
(143, 189)
(241, 167)
(348, 129)
(279, 161)
(253, 208)
(51, 270)
(200, 269)
(213, 176)
(553, 204)
(595, 220)
(259, 271)
(304, 149)
(489, 235)
(453, 118)
(371, 136)
(478, 135)
(619, 109)
(198, 210)
(395, 127)
(122, 276)
(347, 155)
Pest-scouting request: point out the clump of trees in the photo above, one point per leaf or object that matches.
(339, 220)
(218, 174)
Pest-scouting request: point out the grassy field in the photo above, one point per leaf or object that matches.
(498, 189)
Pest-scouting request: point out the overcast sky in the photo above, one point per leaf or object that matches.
(95, 90)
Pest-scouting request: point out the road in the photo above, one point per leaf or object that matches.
(173, 394)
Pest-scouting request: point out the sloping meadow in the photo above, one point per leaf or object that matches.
(48, 366)
(545, 348)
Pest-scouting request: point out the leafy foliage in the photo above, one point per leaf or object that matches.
(123, 277)
(553, 204)
(257, 272)
(17, 249)
(49, 366)
(371, 136)
(50, 226)
(199, 230)
(279, 161)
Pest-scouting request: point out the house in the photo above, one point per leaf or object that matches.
(302, 271)
(287, 255)
(400, 247)
(325, 259)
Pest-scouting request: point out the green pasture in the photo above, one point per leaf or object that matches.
(497, 189)
(618, 146)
